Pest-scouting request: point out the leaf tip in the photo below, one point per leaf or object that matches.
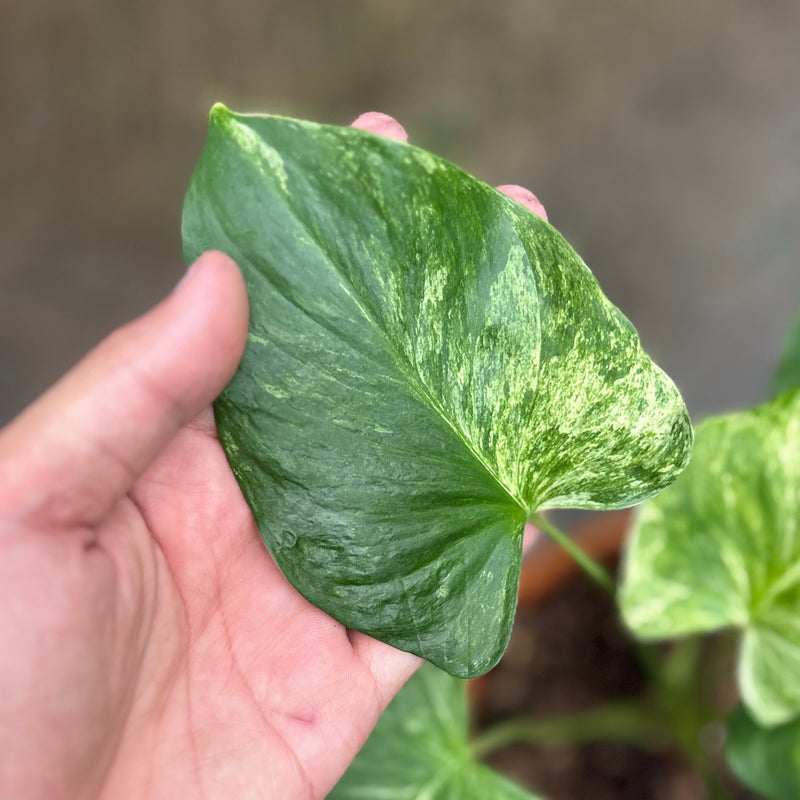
(219, 115)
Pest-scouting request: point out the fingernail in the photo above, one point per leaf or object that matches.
(525, 197)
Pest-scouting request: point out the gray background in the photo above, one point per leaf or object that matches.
(663, 138)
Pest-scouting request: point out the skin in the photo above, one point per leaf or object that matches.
(150, 648)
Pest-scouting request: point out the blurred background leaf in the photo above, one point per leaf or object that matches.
(719, 548)
(419, 749)
(767, 759)
(788, 375)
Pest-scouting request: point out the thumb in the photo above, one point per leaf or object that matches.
(73, 453)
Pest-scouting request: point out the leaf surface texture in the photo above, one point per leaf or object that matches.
(428, 364)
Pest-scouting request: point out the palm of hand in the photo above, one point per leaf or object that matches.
(257, 686)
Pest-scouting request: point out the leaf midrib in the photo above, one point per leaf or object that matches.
(788, 579)
(400, 361)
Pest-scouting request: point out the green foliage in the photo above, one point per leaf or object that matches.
(721, 547)
(419, 750)
(788, 374)
(768, 760)
(428, 364)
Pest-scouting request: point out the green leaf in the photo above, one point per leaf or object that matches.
(721, 547)
(428, 363)
(788, 374)
(766, 759)
(419, 750)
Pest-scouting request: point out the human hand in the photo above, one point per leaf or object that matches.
(149, 646)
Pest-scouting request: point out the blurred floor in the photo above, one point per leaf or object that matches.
(664, 140)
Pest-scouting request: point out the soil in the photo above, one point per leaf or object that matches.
(568, 654)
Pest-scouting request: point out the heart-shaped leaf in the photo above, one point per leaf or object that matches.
(721, 547)
(428, 364)
(419, 749)
(766, 759)
(788, 374)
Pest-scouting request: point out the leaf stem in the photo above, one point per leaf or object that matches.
(621, 721)
(591, 567)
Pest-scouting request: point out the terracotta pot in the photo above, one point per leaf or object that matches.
(548, 566)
